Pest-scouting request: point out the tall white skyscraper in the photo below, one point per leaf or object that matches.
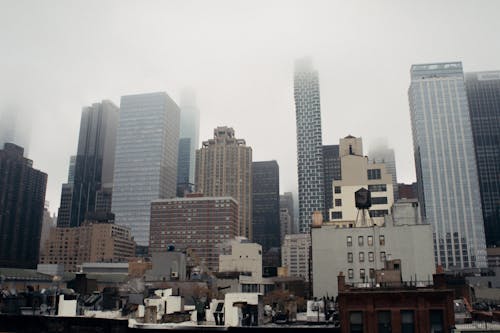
(446, 165)
(309, 142)
(145, 160)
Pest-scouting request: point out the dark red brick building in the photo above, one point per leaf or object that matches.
(396, 308)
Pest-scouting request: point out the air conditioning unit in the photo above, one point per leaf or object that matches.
(174, 275)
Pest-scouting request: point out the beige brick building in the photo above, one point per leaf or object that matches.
(91, 242)
(224, 168)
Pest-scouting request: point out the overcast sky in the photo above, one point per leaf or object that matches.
(57, 56)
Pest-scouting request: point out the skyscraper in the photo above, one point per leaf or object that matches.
(381, 153)
(95, 158)
(445, 163)
(309, 142)
(22, 200)
(224, 168)
(483, 92)
(331, 171)
(266, 204)
(188, 143)
(145, 159)
(286, 202)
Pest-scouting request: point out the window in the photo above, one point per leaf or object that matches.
(407, 321)
(370, 256)
(374, 174)
(384, 321)
(356, 322)
(360, 241)
(381, 239)
(349, 241)
(379, 200)
(369, 240)
(436, 321)
(377, 188)
(349, 257)
(378, 212)
(382, 256)
(350, 274)
(336, 215)
(338, 202)
(372, 273)
(362, 274)
(361, 257)
(337, 189)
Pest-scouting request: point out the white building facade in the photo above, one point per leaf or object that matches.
(295, 255)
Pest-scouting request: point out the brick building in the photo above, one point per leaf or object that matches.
(195, 223)
(91, 242)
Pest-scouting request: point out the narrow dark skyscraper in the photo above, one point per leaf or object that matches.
(331, 170)
(94, 164)
(309, 142)
(483, 93)
(22, 200)
(266, 204)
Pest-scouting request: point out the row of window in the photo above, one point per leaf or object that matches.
(369, 240)
(385, 325)
(361, 255)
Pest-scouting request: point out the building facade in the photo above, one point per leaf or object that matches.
(309, 142)
(91, 242)
(95, 158)
(194, 223)
(145, 159)
(22, 200)
(224, 168)
(357, 172)
(188, 143)
(331, 171)
(266, 204)
(286, 226)
(407, 191)
(295, 254)
(64, 210)
(360, 251)
(483, 93)
(445, 164)
(381, 153)
(286, 201)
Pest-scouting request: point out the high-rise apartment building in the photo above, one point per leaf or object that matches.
(445, 163)
(95, 158)
(188, 142)
(286, 201)
(381, 153)
(331, 171)
(266, 204)
(483, 92)
(201, 225)
(92, 241)
(295, 254)
(309, 142)
(22, 200)
(224, 168)
(145, 159)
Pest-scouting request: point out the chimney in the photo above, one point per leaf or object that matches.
(341, 282)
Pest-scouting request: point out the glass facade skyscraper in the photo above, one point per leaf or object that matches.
(309, 142)
(483, 92)
(445, 163)
(145, 159)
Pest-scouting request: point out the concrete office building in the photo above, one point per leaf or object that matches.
(309, 142)
(381, 153)
(295, 255)
(195, 223)
(22, 199)
(94, 164)
(266, 204)
(359, 251)
(331, 171)
(224, 168)
(145, 159)
(445, 164)
(188, 142)
(356, 173)
(483, 93)
(286, 201)
(93, 241)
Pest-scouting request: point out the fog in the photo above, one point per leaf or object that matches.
(58, 56)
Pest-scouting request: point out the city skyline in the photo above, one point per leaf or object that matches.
(240, 80)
